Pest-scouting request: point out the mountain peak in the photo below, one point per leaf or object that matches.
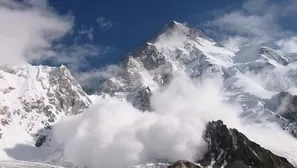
(174, 25)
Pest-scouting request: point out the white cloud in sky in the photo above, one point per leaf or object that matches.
(75, 56)
(91, 78)
(256, 22)
(32, 32)
(28, 29)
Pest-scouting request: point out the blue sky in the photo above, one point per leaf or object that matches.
(88, 35)
(124, 25)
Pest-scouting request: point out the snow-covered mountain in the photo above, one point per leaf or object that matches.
(32, 99)
(152, 65)
(261, 80)
(251, 75)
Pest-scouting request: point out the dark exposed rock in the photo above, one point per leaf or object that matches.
(151, 57)
(231, 148)
(142, 99)
(40, 141)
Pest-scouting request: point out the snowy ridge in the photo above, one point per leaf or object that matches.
(32, 98)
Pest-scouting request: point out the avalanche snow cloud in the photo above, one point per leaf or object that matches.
(112, 133)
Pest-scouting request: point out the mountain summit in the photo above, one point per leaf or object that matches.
(177, 47)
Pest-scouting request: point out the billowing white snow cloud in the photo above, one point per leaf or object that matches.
(112, 133)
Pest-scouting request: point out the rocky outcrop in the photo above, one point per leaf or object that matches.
(230, 148)
(40, 141)
(142, 99)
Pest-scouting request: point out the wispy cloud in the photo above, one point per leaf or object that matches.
(91, 78)
(104, 23)
(257, 21)
(86, 32)
(76, 56)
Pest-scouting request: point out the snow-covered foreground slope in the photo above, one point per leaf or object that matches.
(154, 108)
(22, 164)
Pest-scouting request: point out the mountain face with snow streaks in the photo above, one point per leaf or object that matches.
(33, 98)
(179, 48)
(152, 65)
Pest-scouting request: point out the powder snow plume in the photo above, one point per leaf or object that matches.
(112, 133)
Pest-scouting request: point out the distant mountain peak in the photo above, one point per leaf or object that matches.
(175, 24)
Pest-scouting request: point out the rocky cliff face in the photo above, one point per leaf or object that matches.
(230, 148)
(32, 98)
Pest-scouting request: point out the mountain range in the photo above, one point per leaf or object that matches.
(258, 80)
